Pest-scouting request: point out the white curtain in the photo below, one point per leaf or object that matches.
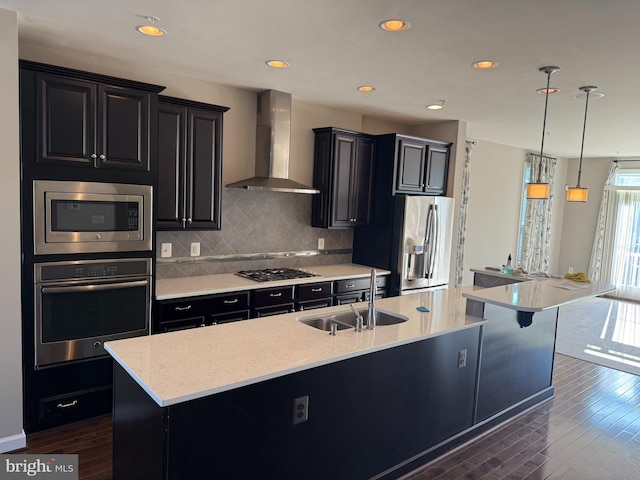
(536, 235)
(462, 219)
(597, 252)
(621, 259)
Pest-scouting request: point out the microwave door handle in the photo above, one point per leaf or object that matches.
(102, 286)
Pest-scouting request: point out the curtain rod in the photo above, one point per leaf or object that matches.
(544, 156)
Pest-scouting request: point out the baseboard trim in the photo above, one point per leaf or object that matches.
(14, 442)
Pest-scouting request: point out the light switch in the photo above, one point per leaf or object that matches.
(195, 249)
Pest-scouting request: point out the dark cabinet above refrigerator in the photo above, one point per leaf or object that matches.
(411, 165)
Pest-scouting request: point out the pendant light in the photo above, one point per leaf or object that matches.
(538, 190)
(578, 193)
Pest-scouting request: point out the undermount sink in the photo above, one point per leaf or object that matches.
(347, 319)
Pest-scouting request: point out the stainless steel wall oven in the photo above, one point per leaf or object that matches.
(79, 305)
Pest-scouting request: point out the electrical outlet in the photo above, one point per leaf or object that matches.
(195, 249)
(301, 409)
(462, 358)
(321, 244)
(570, 270)
(165, 250)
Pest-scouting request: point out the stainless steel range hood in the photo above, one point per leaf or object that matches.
(273, 136)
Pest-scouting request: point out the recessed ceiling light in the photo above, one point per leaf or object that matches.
(394, 25)
(150, 29)
(277, 63)
(366, 88)
(484, 64)
(436, 106)
(550, 91)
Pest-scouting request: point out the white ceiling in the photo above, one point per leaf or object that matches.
(334, 46)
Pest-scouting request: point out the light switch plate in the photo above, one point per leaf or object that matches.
(165, 250)
(321, 244)
(195, 249)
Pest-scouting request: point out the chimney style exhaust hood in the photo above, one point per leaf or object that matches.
(273, 135)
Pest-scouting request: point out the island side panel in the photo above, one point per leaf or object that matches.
(516, 359)
(367, 415)
(139, 438)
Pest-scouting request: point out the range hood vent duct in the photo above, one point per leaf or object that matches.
(273, 136)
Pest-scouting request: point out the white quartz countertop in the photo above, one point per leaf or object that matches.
(538, 295)
(184, 365)
(181, 287)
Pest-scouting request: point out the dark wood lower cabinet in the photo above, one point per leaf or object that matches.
(367, 416)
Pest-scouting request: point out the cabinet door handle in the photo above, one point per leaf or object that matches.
(316, 289)
(188, 220)
(94, 156)
(67, 405)
(182, 309)
(103, 157)
(235, 300)
(184, 221)
(275, 294)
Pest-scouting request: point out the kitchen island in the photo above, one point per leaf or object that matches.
(222, 401)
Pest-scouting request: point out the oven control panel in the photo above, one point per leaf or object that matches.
(80, 270)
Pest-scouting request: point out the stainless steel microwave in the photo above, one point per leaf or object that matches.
(91, 217)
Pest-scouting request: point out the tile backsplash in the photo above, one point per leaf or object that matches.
(254, 222)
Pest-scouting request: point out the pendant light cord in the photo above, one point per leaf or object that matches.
(544, 123)
(584, 128)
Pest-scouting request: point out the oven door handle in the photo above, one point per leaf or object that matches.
(100, 286)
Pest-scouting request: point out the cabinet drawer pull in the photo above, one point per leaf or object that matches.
(316, 289)
(67, 405)
(182, 309)
(275, 294)
(349, 285)
(235, 300)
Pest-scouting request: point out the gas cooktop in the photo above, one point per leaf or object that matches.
(271, 274)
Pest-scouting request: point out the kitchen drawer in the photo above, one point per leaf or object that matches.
(180, 324)
(317, 303)
(265, 297)
(178, 309)
(76, 404)
(228, 317)
(273, 310)
(228, 303)
(313, 290)
(352, 284)
(347, 298)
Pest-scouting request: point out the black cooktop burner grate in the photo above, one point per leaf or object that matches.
(272, 274)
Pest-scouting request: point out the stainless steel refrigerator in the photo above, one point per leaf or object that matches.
(412, 238)
(425, 243)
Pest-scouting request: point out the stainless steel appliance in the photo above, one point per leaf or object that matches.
(79, 305)
(425, 246)
(91, 217)
(273, 274)
(410, 235)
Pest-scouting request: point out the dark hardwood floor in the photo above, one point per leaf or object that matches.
(589, 431)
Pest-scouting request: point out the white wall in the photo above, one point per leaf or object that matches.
(579, 225)
(11, 434)
(495, 193)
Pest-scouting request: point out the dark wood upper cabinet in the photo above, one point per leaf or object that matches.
(189, 164)
(87, 122)
(418, 166)
(343, 172)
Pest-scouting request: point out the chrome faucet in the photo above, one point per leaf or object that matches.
(371, 313)
(359, 320)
